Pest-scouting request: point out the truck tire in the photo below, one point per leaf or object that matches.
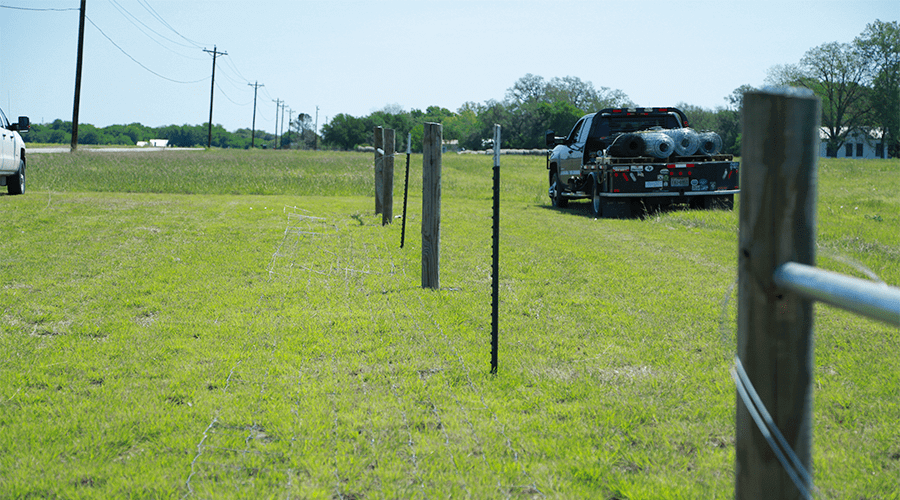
(15, 183)
(596, 200)
(556, 197)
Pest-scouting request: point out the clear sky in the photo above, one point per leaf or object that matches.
(356, 57)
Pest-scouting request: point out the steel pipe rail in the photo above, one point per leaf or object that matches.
(874, 300)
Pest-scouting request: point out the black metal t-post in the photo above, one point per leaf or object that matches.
(405, 188)
(495, 265)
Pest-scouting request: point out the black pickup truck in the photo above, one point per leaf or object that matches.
(628, 160)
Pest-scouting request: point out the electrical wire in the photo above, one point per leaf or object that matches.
(230, 99)
(138, 62)
(12, 7)
(134, 20)
(152, 11)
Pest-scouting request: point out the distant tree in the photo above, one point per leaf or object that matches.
(344, 132)
(880, 45)
(529, 88)
(836, 73)
(534, 105)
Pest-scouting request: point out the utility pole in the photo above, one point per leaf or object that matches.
(282, 124)
(255, 86)
(78, 78)
(277, 107)
(212, 91)
(317, 129)
(290, 114)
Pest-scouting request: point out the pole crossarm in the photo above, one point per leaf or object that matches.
(868, 298)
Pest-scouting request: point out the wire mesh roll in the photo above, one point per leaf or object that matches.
(627, 145)
(658, 144)
(686, 140)
(710, 143)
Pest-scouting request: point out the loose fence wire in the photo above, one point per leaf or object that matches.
(313, 253)
(499, 426)
(253, 429)
(391, 308)
(783, 451)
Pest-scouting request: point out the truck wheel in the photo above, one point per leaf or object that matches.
(596, 200)
(16, 182)
(556, 197)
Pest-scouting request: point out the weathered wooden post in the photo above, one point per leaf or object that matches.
(387, 175)
(777, 225)
(379, 170)
(431, 206)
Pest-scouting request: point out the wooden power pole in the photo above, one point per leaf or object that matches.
(78, 78)
(212, 90)
(255, 86)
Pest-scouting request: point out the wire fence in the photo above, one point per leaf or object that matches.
(322, 398)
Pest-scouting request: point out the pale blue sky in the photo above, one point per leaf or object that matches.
(356, 57)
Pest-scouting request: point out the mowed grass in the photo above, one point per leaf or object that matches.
(232, 324)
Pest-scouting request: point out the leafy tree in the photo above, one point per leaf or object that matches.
(344, 132)
(880, 45)
(529, 88)
(836, 73)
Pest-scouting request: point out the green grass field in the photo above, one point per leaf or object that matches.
(234, 324)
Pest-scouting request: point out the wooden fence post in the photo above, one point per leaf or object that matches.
(387, 175)
(431, 206)
(379, 170)
(777, 225)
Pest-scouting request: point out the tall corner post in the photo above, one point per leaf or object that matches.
(774, 339)
(431, 205)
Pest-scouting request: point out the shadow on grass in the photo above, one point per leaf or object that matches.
(583, 209)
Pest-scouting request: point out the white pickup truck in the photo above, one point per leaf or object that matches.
(12, 154)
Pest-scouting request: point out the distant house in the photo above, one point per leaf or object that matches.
(451, 146)
(861, 144)
(159, 143)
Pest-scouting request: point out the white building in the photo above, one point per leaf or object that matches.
(860, 144)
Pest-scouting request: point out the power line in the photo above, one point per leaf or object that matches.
(129, 16)
(36, 10)
(148, 8)
(234, 67)
(135, 60)
(226, 95)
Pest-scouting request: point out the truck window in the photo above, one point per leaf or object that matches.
(623, 124)
(574, 133)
